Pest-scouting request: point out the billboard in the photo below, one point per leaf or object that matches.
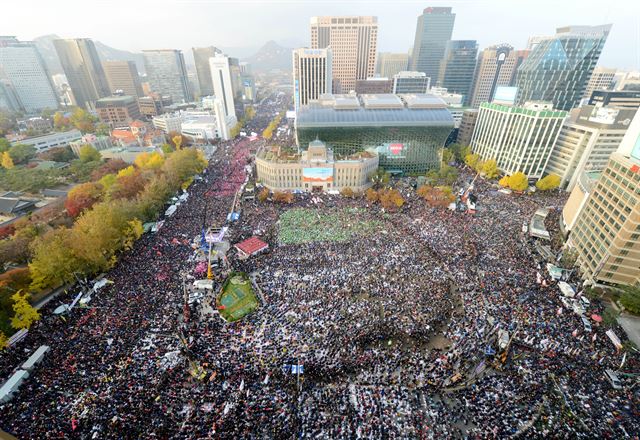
(396, 149)
(317, 175)
(604, 115)
(505, 95)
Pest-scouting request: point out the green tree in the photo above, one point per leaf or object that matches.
(7, 162)
(549, 182)
(4, 145)
(88, 154)
(24, 313)
(490, 169)
(447, 156)
(167, 149)
(177, 141)
(22, 153)
(630, 299)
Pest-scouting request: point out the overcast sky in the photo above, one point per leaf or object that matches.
(153, 24)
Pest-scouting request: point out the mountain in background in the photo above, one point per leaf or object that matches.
(271, 56)
(106, 53)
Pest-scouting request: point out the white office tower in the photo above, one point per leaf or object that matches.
(312, 74)
(222, 84)
(23, 68)
(519, 138)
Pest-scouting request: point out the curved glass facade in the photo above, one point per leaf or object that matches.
(410, 149)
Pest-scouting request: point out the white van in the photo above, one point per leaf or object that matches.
(612, 378)
(203, 284)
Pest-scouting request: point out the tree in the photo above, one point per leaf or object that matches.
(630, 299)
(177, 141)
(504, 182)
(347, 192)
(111, 166)
(569, 258)
(472, 160)
(518, 181)
(82, 197)
(549, 182)
(267, 133)
(4, 145)
(167, 149)
(236, 129)
(7, 162)
(127, 185)
(4, 341)
(88, 154)
(83, 120)
(380, 177)
(24, 313)
(263, 194)
(447, 156)
(436, 196)
(21, 153)
(282, 197)
(183, 140)
(490, 169)
(249, 113)
(61, 122)
(58, 154)
(54, 261)
(371, 195)
(391, 199)
(150, 161)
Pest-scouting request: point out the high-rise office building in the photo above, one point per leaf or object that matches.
(123, 76)
(458, 66)
(434, 29)
(201, 57)
(518, 138)
(311, 74)
(496, 67)
(559, 67)
(354, 43)
(606, 233)
(83, 69)
(23, 68)
(8, 98)
(411, 82)
(374, 86)
(222, 84)
(467, 125)
(587, 138)
(167, 74)
(391, 63)
(601, 79)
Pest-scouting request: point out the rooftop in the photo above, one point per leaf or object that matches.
(251, 245)
(375, 111)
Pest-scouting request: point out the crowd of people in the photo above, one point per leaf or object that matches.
(388, 335)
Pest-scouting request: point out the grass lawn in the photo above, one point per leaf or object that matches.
(308, 225)
(237, 297)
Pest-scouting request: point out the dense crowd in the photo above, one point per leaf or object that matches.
(392, 328)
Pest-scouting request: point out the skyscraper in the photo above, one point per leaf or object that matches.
(518, 138)
(559, 67)
(222, 84)
(433, 30)
(167, 74)
(311, 74)
(601, 79)
(83, 69)
(391, 63)
(496, 67)
(410, 82)
(354, 42)
(201, 57)
(123, 75)
(457, 67)
(23, 68)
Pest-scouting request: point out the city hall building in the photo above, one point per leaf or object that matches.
(316, 169)
(406, 132)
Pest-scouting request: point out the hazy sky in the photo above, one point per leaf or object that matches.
(154, 24)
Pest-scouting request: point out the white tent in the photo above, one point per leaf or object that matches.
(566, 289)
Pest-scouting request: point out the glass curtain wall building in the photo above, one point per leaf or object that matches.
(559, 67)
(406, 134)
